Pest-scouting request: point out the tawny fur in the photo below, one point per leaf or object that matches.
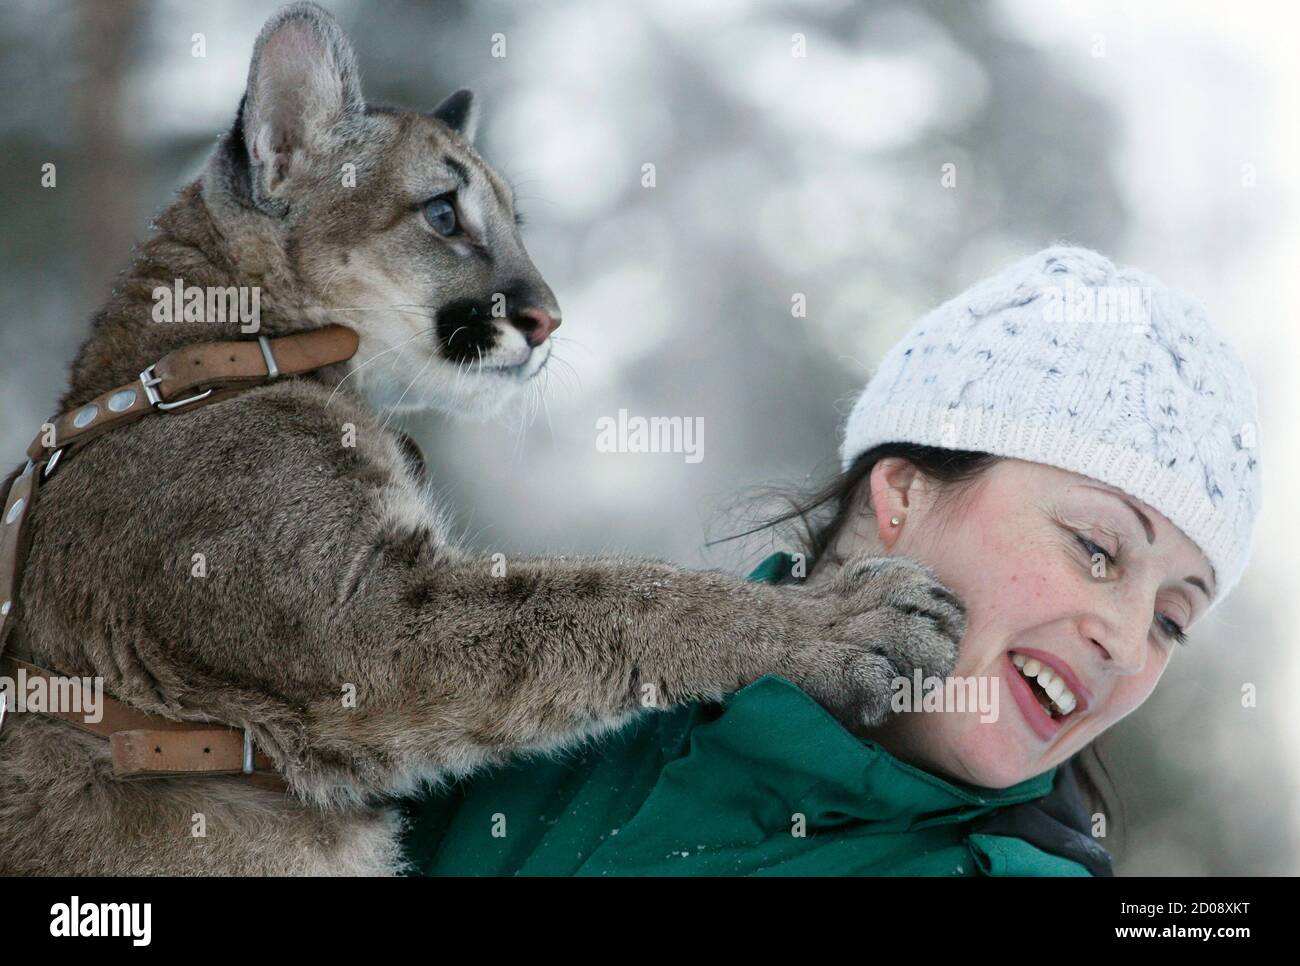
(328, 567)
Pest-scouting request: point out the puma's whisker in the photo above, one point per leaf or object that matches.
(361, 365)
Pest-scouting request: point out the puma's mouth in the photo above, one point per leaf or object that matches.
(523, 371)
(478, 345)
(501, 335)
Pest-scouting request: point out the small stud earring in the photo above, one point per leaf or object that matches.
(894, 521)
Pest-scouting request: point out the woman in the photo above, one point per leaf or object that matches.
(1072, 447)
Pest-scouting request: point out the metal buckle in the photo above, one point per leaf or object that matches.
(51, 463)
(272, 370)
(149, 379)
(248, 753)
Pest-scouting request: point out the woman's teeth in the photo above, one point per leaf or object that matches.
(1035, 670)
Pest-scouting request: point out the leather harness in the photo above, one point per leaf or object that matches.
(144, 745)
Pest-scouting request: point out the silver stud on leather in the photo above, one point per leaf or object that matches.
(85, 416)
(16, 509)
(122, 400)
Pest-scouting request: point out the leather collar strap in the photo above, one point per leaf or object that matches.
(145, 745)
(195, 374)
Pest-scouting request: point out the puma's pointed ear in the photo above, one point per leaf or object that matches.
(459, 112)
(302, 85)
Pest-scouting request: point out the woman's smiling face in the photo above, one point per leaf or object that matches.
(1026, 548)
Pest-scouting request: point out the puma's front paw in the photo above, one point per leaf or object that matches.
(880, 619)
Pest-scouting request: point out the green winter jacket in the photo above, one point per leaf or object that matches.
(765, 783)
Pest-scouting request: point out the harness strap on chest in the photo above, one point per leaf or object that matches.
(148, 745)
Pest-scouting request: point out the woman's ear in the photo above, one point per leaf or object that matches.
(895, 485)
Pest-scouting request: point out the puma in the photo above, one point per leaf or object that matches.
(333, 617)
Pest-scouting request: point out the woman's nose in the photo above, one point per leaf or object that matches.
(1121, 645)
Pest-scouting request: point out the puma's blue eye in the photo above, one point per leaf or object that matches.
(440, 213)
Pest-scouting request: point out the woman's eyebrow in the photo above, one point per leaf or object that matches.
(1151, 535)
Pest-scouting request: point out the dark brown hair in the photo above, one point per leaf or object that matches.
(819, 516)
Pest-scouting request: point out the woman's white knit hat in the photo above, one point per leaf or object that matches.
(1066, 360)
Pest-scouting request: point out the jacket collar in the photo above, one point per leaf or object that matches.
(785, 733)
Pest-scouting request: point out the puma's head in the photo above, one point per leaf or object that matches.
(387, 221)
